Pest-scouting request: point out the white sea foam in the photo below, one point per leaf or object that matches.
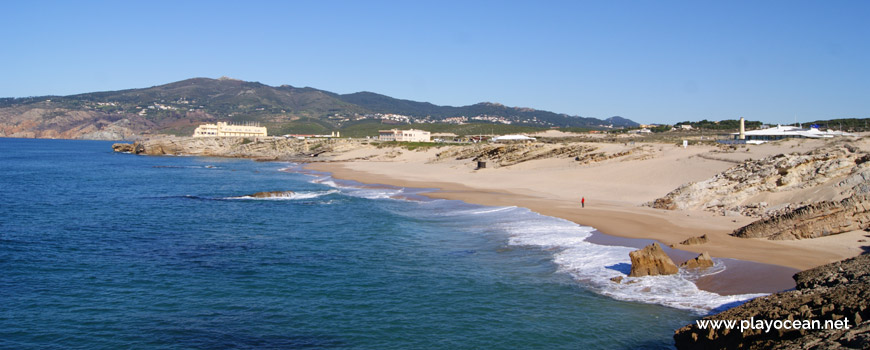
(590, 264)
(594, 265)
(289, 196)
(358, 191)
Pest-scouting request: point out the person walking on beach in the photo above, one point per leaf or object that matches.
(582, 202)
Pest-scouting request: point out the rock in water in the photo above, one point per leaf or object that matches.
(703, 261)
(123, 147)
(651, 261)
(272, 194)
(134, 148)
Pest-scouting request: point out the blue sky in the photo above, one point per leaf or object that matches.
(649, 61)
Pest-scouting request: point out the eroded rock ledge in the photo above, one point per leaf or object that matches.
(815, 220)
(271, 149)
(730, 191)
(835, 291)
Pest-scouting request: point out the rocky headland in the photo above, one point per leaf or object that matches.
(838, 292)
(266, 149)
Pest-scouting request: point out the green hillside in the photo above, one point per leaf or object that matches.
(176, 108)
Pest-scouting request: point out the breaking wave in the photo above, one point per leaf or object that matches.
(591, 265)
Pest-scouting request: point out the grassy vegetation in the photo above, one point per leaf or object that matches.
(727, 124)
(576, 129)
(848, 124)
(307, 126)
(371, 129)
(179, 131)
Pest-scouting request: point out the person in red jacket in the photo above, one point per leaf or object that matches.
(583, 202)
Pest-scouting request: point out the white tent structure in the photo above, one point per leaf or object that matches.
(512, 138)
(785, 132)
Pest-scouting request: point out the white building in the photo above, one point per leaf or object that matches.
(410, 135)
(222, 129)
(786, 132)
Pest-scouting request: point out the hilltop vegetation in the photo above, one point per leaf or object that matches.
(176, 108)
(727, 124)
(371, 129)
(845, 124)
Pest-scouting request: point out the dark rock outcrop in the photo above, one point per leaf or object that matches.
(833, 292)
(123, 147)
(651, 261)
(695, 240)
(702, 261)
(840, 272)
(272, 194)
(814, 220)
(134, 148)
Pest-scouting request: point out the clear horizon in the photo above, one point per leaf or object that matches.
(651, 62)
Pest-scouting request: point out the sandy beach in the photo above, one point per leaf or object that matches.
(614, 192)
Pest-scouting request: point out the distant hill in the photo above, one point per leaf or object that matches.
(177, 108)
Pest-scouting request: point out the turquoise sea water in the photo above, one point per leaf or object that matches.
(100, 250)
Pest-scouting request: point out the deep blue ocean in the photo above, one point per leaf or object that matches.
(101, 250)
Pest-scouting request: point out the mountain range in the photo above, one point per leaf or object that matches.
(176, 108)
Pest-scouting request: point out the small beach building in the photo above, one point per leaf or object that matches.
(410, 135)
(222, 129)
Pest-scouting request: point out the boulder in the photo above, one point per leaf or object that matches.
(134, 148)
(123, 147)
(272, 194)
(695, 240)
(703, 261)
(651, 261)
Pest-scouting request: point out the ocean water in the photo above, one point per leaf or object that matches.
(100, 250)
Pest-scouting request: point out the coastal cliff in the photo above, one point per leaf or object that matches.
(46, 120)
(839, 291)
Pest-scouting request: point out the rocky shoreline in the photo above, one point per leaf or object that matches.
(283, 149)
(837, 292)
